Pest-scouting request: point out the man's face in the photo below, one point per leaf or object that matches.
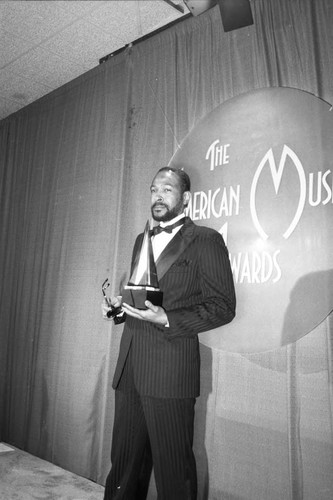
(167, 200)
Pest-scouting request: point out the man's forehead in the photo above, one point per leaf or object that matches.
(165, 177)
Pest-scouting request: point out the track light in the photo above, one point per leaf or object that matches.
(234, 13)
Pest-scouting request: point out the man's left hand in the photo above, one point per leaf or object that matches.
(154, 314)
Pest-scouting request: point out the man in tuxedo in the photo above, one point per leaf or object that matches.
(157, 376)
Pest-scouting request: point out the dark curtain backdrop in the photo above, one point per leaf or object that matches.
(75, 168)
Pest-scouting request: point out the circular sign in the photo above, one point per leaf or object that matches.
(261, 172)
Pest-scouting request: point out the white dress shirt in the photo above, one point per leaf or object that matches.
(160, 241)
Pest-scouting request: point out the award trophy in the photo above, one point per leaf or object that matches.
(143, 283)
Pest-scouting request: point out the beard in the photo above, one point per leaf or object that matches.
(168, 213)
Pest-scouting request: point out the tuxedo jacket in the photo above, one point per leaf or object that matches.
(198, 295)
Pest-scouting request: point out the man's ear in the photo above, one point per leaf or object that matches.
(186, 198)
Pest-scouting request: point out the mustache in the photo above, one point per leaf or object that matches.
(156, 204)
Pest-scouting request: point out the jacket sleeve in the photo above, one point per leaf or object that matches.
(217, 302)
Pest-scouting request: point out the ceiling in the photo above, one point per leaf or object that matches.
(45, 44)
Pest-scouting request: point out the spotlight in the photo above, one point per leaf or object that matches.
(234, 13)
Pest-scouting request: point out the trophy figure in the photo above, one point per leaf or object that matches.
(143, 283)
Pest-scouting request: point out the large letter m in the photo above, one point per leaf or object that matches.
(277, 173)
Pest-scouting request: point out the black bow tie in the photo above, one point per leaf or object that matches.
(168, 229)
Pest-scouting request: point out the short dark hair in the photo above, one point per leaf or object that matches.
(184, 179)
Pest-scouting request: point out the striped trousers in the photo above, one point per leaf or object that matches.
(151, 432)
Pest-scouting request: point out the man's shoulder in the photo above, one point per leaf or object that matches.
(205, 233)
(205, 230)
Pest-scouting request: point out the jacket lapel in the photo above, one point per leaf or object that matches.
(175, 248)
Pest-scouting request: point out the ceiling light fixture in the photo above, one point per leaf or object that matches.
(234, 13)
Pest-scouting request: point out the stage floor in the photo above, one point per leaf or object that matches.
(25, 477)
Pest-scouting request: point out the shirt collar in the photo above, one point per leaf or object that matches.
(172, 221)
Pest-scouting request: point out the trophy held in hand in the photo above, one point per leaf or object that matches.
(143, 283)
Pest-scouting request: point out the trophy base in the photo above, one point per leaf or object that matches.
(136, 296)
